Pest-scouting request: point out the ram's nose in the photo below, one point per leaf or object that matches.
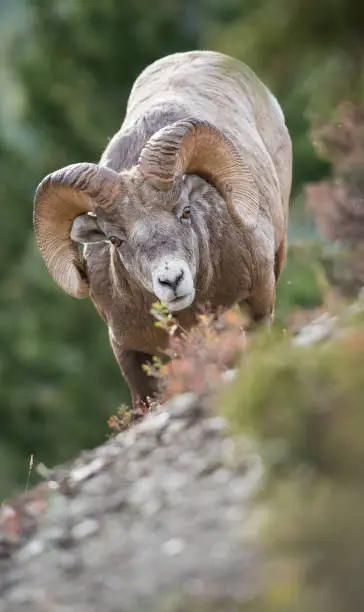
(173, 284)
(171, 278)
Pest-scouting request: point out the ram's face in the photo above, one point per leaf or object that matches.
(147, 212)
(161, 254)
(157, 245)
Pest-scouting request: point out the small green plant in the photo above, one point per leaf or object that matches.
(194, 360)
(164, 319)
(126, 416)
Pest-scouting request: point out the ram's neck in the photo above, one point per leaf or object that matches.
(123, 150)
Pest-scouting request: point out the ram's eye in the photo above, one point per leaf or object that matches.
(186, 213)
(115, 241)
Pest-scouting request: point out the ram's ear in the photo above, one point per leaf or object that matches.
(85, 229)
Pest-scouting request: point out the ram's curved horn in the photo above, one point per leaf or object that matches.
(59, 199)
(192, 146)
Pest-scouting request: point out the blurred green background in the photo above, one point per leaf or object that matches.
(66, 68)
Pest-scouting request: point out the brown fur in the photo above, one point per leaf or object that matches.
(233, 265)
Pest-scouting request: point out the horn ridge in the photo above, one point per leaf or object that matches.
(194, 146)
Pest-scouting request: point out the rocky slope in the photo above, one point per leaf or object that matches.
(159, 519)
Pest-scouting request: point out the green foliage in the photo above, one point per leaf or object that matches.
(79, 61)
(300, 285)
(303, 407)
(16, 221)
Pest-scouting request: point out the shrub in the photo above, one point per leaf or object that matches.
(303, 407)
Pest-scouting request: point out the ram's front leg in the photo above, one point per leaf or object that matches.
(261, 301)
(141, 385)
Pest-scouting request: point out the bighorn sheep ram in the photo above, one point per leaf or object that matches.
(188, 204)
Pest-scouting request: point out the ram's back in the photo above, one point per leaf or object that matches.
(224, 91)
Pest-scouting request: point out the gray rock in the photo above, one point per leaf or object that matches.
(153, 519)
